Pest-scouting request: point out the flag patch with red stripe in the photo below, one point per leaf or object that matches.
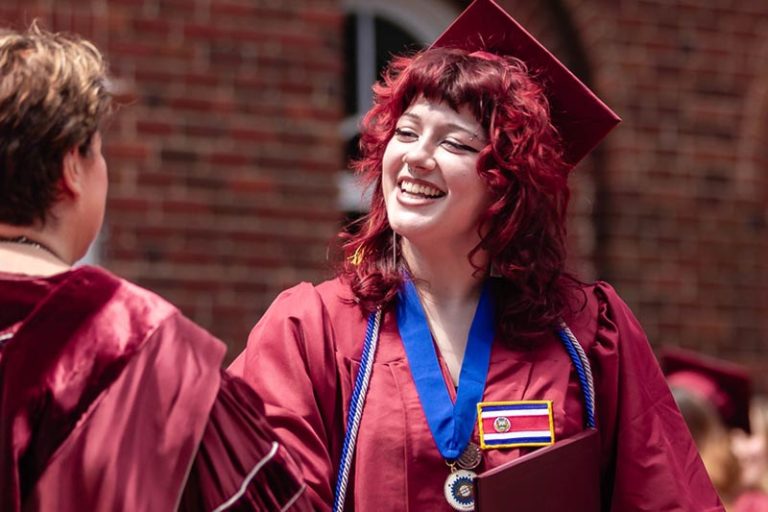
(515, 424)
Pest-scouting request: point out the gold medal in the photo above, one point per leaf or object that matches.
(471, 457)
(459, 489)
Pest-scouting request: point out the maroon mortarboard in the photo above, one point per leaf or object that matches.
(579, 116)
(727, 386)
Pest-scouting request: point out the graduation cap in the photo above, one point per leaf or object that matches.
(581, 119)
(727, 386)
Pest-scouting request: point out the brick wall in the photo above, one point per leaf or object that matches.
(222, 168)
(683, 212)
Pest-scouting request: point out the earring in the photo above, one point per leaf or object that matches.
(394, 249)
(357, 258)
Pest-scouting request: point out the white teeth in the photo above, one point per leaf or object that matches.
(416, 188)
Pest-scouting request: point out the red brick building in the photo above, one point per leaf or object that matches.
(226, 165)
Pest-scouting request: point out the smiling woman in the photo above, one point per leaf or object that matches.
(443, 347)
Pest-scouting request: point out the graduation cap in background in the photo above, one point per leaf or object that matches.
(727, 386)
(581, 119)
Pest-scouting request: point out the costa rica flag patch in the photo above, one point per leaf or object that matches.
(515, 424)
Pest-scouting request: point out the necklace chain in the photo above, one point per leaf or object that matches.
(23, 240)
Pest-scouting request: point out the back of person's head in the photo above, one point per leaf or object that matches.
(700, 415)
(713, 395)
(53, 97)
(712, 440)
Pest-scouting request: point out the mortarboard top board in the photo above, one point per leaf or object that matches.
(581, 119)
(727, 386)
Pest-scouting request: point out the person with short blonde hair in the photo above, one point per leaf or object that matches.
(54, 97)
(110, 399)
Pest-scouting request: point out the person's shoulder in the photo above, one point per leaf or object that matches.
(335, 291)
(329, 295)
(143, 311)
(595, 298)
(132, 297)
(612, 305)
(597, 312)
(323, 311)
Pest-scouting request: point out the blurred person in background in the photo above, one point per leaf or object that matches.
(110, 399)
(714, 397)
(752, 452)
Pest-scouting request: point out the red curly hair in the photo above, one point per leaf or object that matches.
(522, 165)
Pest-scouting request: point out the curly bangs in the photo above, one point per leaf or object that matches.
(523, 230)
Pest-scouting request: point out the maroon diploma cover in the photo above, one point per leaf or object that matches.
(564, 476)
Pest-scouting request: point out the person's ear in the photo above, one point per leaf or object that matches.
(72, 173)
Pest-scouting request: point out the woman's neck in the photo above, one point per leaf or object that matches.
(26, 250)
(450, 289)
(444, 275)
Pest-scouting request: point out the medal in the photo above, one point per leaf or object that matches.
(459, 489)
(470, 458)
(450, 423)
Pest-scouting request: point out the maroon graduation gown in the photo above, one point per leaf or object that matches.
(110, 399)
(304, 353)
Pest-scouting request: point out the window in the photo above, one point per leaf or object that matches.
(374, 30)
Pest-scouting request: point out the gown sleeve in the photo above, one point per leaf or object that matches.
(653, 464)
(240, 465)
(290, 362)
